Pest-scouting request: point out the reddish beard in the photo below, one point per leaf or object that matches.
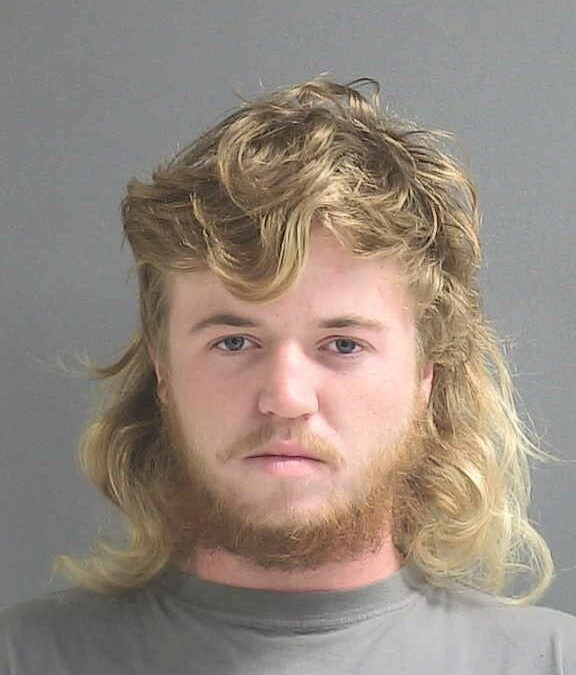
(356, 526)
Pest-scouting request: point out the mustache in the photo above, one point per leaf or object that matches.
(253, 442)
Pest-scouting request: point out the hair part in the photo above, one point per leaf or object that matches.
(241, 201)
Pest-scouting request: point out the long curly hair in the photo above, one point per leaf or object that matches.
(240, 201)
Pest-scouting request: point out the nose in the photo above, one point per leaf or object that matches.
(289, 388)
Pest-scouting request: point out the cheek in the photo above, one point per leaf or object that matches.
(390, 404)
(388, 401)
(208, 407)
(369, 407)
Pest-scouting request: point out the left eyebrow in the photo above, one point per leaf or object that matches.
(345, 321)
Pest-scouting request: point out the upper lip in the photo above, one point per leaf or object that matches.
(286, 449)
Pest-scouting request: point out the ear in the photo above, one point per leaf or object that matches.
(425, 384)
(158, 368)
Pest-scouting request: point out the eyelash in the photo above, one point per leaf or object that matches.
(346, 356)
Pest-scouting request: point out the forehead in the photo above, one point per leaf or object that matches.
(332, 283)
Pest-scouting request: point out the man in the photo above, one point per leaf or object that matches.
(311, 436)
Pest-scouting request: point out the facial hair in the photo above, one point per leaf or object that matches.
(355, 526)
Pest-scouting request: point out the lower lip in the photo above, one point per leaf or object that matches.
(286, 466)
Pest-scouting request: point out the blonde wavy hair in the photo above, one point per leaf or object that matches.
(240, 201)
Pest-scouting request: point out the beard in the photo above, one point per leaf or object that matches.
(347, 527)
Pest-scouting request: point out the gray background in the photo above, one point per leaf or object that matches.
(94, 92)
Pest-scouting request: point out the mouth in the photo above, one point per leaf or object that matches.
(286, 465)
(285, 457)
(285, 451)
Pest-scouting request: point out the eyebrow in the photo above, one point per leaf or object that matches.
(344, 321)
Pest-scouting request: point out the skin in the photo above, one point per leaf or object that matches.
(352, 395)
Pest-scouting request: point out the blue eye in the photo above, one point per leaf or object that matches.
(347, 342)
(233, 341)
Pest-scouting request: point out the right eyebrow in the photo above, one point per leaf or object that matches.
(222, 319)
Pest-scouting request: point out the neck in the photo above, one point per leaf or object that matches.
(222, 567)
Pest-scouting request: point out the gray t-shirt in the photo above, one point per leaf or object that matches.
(180, 624)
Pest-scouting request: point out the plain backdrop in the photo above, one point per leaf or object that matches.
(95, 92)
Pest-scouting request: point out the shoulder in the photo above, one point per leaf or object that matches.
(75, 606)
(59, 624)
(52, 612)
(518, 616)
(491, 626)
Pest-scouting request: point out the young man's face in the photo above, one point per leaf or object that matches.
(345, 395)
